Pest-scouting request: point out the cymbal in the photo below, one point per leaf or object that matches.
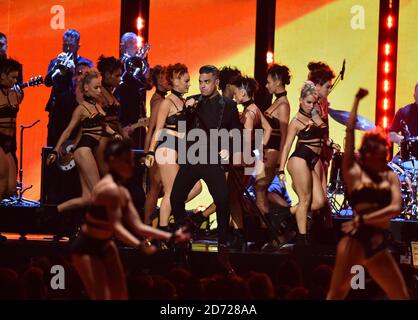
(341, 116)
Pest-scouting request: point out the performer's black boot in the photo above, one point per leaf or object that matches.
(238, 240)
(282, 219)
(224, 259)
(180, 252)
(322, 229)
(302, 242)
(198, 219)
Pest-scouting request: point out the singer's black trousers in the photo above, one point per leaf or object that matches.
(214, 176)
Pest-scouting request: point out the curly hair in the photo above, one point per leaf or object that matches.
(156, 73)
(8, 65)
(317, 65)
(320, 72)
(86, 78)
(372, 140)
(227, 76)
(250, 85)
(280, 72)
(108, 64)
(308, 89)
(117, 148)
(175, 71)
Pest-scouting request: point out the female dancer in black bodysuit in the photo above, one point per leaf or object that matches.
(251, 118)
(159, 80)
(322, 76)
(94, 253)
(10, 98)
(171, 113)
(310, 132)
(91, 117)
(374, 194)
(110, 69)
(278, 114)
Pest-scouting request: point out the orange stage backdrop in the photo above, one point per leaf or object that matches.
(34, 29)
(330, 31)
(198, 32)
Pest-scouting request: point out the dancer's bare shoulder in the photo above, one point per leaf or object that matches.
(107, 191)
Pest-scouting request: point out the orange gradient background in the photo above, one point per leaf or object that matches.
(34, 43)
(196, 32)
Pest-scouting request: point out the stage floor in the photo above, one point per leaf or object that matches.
(29, 221)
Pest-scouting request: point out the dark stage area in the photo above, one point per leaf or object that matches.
(288, 268)
(267, 151)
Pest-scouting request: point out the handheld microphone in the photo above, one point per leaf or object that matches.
(197, 101)
(343, 70)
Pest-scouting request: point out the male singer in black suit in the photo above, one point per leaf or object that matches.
(210, 111)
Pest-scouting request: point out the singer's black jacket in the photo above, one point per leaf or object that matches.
(218, 112)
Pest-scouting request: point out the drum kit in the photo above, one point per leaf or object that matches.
(405, 165)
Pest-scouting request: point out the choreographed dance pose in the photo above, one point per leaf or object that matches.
(91, 117)
(374, 194)
(227, 75)
(10, 99)
(94, 253)
(159, 80)
(322, 76)
(110, 70)
(252, 118)
(171, 113)
(211, 111)
(310, 132)
(278, 114)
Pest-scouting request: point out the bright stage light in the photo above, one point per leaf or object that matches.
(270, 57)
